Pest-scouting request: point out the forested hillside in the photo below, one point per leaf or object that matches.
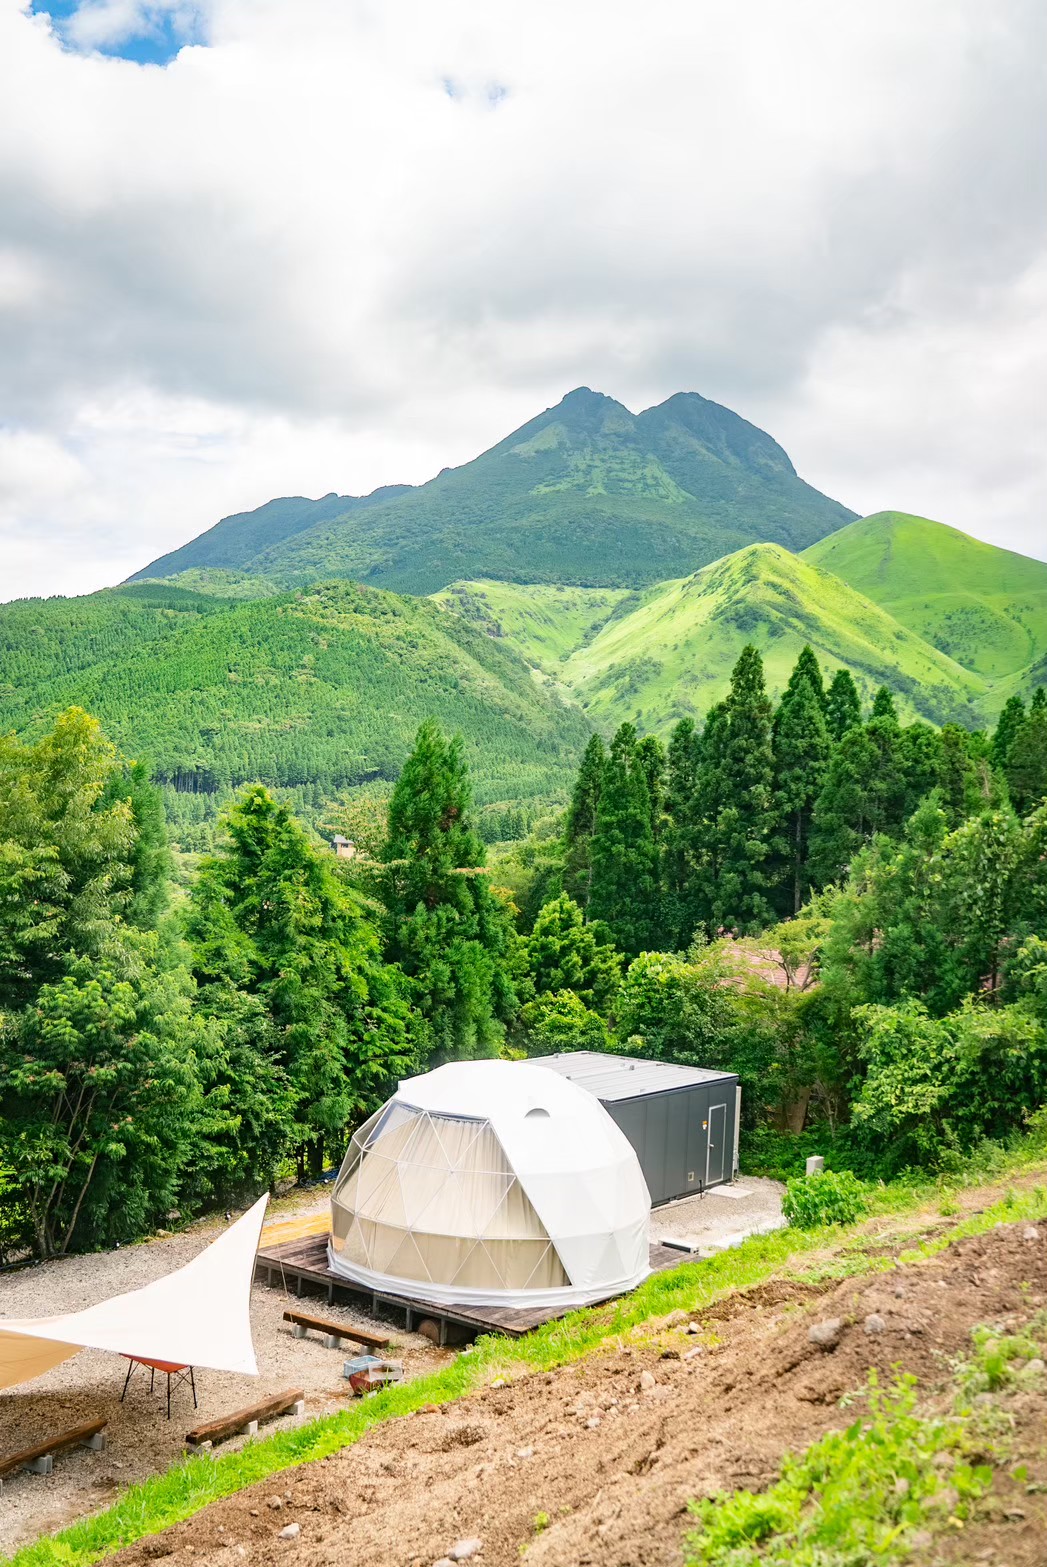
(586, 493)
(314, 692)
(985, 607)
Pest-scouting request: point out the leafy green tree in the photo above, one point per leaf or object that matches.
(843, 705)
(559, 1021)
(66, 854)
(443, 926)
(934, 1085)
(100, 1101)
(581, 822)
(668, 1011)
(743, 827)
(625, 890)
(1026, 766)
(801, 754)
(563, 953)
(271, 919)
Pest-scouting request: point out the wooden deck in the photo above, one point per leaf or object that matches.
(302, 1264)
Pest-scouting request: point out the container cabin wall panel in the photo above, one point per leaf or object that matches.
(656, 1145)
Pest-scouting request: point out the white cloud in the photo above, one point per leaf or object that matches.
(295, 260)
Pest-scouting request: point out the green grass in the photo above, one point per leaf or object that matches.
(985, 607)
(180, 1492)
(673, 655)
(544, 622)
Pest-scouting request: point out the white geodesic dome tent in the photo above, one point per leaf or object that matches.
(491, 1183)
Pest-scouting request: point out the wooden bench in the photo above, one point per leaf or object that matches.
(247, 1420)
(40, 1459)
(334, 1332)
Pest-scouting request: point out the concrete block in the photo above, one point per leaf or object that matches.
(298, 1329)
(299, 1407)
(251, 1428)
(333, 1341)
(41, 1466)
(815, 1164)
(96, 1442)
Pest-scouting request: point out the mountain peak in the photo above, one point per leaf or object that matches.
(587, 492)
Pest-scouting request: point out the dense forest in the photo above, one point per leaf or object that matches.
(848, 911)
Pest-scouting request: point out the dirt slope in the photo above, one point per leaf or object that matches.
(612, 1459)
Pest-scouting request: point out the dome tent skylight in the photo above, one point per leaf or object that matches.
(491, 1182)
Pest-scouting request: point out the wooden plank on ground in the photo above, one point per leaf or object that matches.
(336, 1330)
(89, 1433)
(244, 1419)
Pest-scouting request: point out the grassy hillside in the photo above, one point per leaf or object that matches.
(586, 494)
(985, 607)
(313, 691)
(673, 654)
(545, 623)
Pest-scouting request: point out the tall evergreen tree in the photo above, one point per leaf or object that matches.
(625, 891)
(801, 755)
(563, 953)
(443, 925)
(650, 755)
(843, 705)
(883, 704)
(710, 801)
(1027, 757)
(271, 919)
(581, 822)
(1009, 722)
(808, 668)
(865, 792)
(957, 779)
(682, 904)
(746, 815)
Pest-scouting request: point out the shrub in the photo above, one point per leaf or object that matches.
(831, 1197)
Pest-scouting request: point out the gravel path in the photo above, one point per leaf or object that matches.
(140, 1440)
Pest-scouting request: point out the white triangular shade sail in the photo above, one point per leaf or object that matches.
(200, 1315)
(491, 1182)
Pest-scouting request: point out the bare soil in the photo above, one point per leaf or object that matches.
(593, 1466)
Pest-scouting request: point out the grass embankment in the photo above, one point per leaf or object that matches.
(183, 1490)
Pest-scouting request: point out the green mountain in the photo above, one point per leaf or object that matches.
(312, 691)
(985, 607)
(666, 653)
(587, 493)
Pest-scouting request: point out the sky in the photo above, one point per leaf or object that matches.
(267, 247)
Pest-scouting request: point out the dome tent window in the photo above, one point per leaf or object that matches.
(487, 1182)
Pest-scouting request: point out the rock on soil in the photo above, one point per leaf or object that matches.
(616, 1495)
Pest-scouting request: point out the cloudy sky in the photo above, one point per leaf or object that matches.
(263, 247)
